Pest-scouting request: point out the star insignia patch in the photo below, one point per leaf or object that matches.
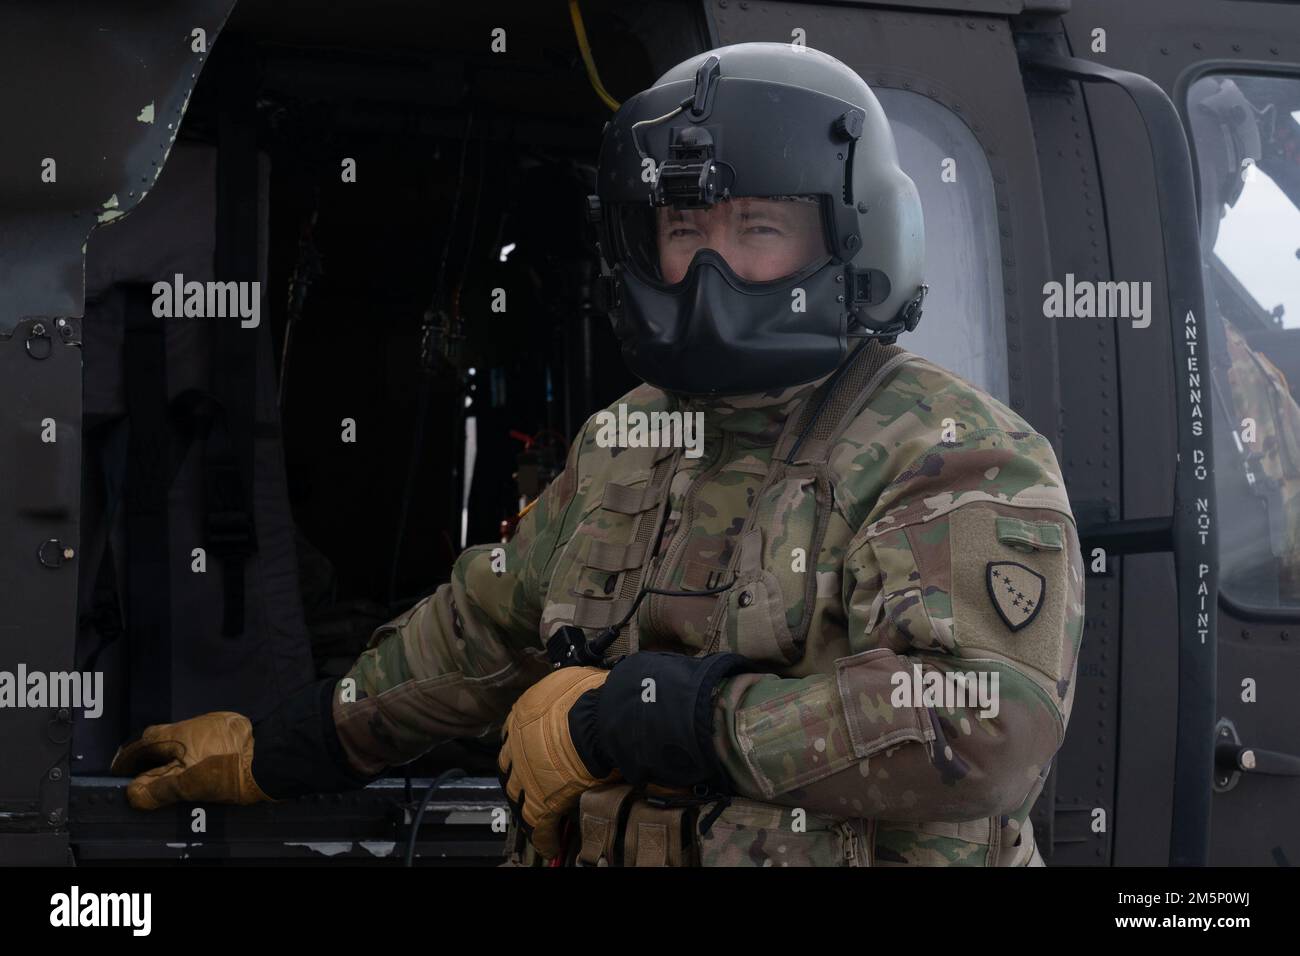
(1017, 592)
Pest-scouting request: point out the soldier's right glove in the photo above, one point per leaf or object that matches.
(540, 765)
(207, 758)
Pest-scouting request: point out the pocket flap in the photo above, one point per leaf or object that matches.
(866, 681)
(1030, 535)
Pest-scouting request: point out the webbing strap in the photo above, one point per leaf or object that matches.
(615, 557)
(829, 410)
(648, 524)
(601, 811)
(625, 500)
(597, 612)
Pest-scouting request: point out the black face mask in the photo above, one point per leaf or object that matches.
(716, 334)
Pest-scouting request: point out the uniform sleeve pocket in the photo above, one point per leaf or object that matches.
(866, 684)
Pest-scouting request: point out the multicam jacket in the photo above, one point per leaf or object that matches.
(924, 544)
(1258, 390)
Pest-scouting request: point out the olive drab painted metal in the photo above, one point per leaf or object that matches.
(859, 552)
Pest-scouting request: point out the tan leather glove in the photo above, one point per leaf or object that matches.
(205, 758)
(541, 769)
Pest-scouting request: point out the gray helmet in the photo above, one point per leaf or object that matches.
(717, 139)
(1226, 136)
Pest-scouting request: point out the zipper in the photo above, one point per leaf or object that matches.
(849, 839)
(665, 567)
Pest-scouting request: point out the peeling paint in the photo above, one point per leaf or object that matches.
(146, 114)
(472, 817)
(377, 847)
(325, 849)
(111, 209)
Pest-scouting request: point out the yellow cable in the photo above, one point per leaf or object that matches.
(581, 33)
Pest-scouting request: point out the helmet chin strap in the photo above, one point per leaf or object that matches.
(908, 318)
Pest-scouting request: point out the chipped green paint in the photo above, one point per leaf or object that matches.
(146, 114)
(111, 210)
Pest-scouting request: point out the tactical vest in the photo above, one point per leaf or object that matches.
(751, 618)
(765, 614)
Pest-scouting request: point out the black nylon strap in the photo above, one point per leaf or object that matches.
(230, 530)
(148, 551)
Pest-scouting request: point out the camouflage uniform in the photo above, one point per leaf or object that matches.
(1259, 390)
(882, 551)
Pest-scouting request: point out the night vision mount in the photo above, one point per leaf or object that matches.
(692, 177)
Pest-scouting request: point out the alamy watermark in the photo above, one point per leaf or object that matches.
(1084, 299)
(208, 300)
(71, 689)
(947, 689)
(638, 429)
(75, 908)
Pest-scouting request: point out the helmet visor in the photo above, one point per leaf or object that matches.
(761, 238)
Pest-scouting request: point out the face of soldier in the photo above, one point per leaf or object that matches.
(761, 239)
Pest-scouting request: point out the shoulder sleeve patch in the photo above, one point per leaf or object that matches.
(1017, 592)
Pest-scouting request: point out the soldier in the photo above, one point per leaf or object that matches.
(1263, 568)
(844, 635)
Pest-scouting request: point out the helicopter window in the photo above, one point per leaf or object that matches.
(963, 325)
(1246, 134)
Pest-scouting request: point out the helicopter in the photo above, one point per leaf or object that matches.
(210, 520)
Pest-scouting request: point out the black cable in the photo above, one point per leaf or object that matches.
(606, 638)
(426, 385)
(454, 773)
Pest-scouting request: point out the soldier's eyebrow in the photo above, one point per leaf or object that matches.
(777, 212)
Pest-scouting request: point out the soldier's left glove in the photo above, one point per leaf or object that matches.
(540, 767)
(653, 720)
